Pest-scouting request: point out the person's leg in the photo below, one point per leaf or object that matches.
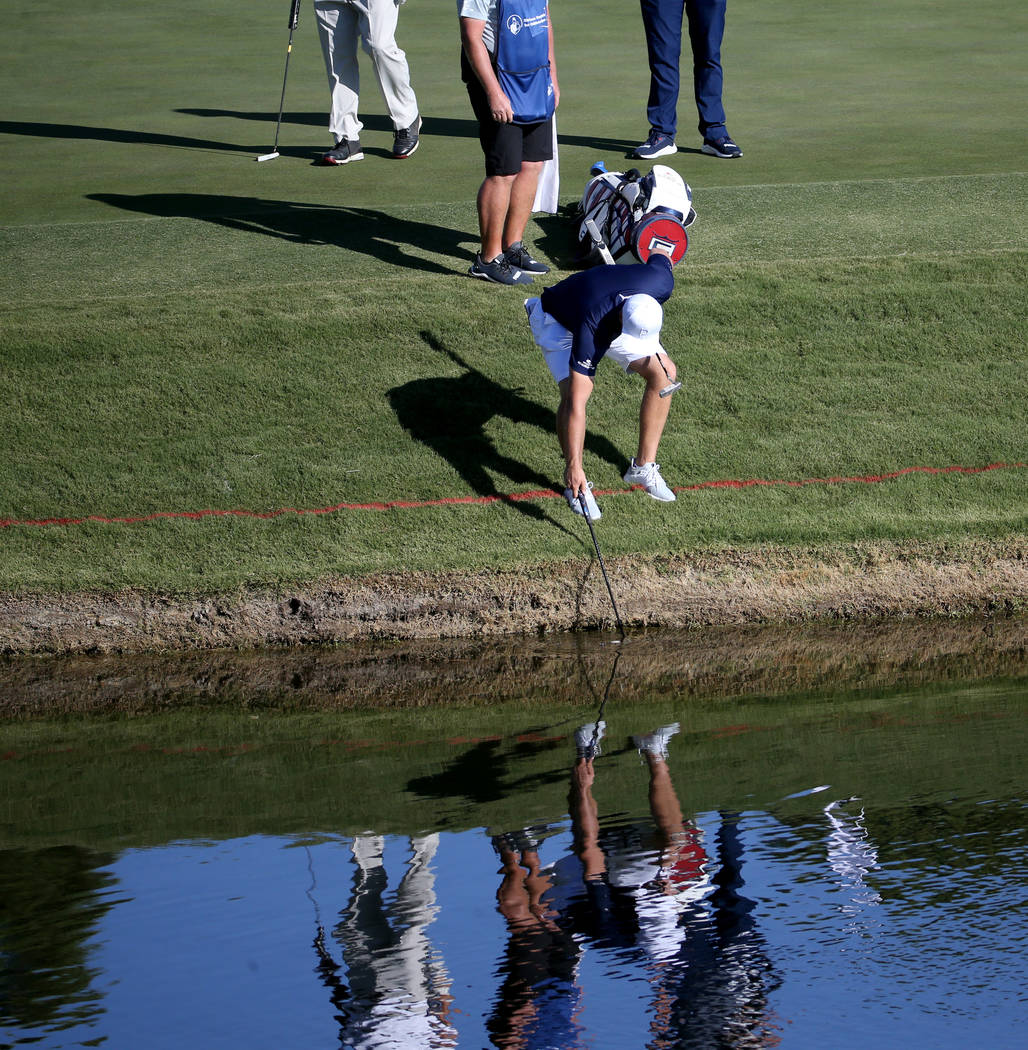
(494, 202)
(706, 31)
(521, 198)
(662, 22)
(653, 411)
(378, 35)
(664, 805)
(338, 30)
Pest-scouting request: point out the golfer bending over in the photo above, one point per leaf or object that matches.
(612, 311)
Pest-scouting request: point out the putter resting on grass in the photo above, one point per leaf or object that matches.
(294, 19)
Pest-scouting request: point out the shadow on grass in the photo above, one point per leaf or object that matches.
(363, 230)
(81, 132)
(449, 415)
(444, 127)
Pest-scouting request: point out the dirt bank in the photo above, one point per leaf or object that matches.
(861, 583)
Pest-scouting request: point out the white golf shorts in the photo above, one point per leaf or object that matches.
(555, 342)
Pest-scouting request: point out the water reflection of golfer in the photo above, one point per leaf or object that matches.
(636, 878)
(653, 903)
(661, 867)
(396, 991)
(696, 938)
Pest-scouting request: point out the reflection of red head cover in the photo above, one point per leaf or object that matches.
(657, 230)
(688, 859)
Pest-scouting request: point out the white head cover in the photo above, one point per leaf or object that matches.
(641, 318)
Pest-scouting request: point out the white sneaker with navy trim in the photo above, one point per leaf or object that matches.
(590, 501)
(647, 475)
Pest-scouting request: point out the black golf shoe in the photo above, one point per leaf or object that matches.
(405, 141)
(345, 150)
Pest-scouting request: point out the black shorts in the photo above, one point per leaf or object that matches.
(505, 146)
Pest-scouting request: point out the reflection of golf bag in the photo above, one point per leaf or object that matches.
(635, 212)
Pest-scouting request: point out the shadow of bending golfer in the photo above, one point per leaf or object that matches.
(450, 416)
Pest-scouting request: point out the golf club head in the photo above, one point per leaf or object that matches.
(267, 156)
(670, 389)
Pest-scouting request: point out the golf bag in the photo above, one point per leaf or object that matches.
(634, 212)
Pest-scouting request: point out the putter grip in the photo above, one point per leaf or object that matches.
(598, 242)
(294, 15)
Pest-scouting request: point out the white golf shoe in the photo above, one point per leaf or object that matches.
(590, 501)
(648, 476)
(587, 739)
(656, 742)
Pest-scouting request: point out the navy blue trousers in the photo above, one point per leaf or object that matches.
(662, 20)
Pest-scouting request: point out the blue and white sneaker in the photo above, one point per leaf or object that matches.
(499, 271)
(657, 145)
(721, 147)
(520, 258)
(590, 501)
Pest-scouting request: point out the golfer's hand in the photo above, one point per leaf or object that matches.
(584, 775)
(500, 108)
(574, 479)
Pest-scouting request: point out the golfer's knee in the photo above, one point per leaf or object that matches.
(656, 377)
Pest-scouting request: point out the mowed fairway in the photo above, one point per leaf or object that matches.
(186, 330)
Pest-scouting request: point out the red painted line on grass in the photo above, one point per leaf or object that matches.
(513, 497)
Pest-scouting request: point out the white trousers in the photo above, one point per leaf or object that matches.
(556, 342)
(342, 24)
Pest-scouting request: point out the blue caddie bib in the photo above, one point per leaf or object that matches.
(523, 59)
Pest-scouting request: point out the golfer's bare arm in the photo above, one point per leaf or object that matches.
(471, 39)
(579, 387)
(553, 62)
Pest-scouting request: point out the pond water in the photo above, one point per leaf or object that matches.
(802, 840)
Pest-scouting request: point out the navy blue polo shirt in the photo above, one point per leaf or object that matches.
(588, 304)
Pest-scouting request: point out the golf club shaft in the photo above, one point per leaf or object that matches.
(672, 385)
(599, 557)
(294, 21)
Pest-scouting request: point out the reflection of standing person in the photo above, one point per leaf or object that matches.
(539, 995)
(723, 977)
(662, 21)
(853, 856)
(396, 989)
(342, 24)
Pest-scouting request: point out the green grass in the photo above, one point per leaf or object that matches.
(185, 329)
